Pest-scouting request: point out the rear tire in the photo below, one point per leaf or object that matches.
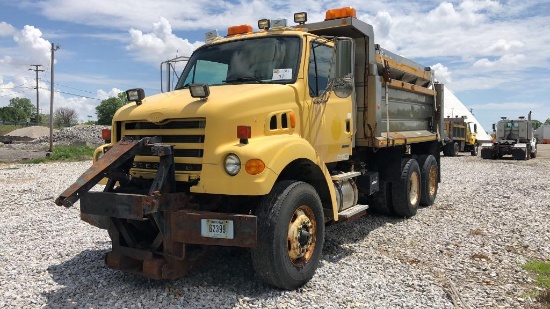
(429, 176)
(291, 231)
(487, 153)
(406, 192)
(456, 149)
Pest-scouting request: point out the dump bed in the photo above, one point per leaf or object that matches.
(392, 94)
(455, 128)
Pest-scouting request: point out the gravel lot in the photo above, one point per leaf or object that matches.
(465, 251)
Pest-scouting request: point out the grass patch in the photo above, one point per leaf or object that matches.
(542, 271)
(66, 153)
(8, 128)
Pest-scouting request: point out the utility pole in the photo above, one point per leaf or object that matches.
(37, 105)
(51, 98)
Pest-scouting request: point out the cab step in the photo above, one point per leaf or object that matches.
(344, 176)
(353, 213)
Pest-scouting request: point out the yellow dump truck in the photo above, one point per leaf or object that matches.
(460, 136)
(267, 136)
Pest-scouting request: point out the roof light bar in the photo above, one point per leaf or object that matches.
(242, 29)
(340, 13)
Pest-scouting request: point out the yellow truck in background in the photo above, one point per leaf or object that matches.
(267, 136)
(460, 136)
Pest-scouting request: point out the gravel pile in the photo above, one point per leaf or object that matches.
(466, 250)
(81, 134)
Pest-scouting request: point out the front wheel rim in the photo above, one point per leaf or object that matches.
(301, 236)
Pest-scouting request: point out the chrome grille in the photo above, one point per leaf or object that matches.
(187, 136)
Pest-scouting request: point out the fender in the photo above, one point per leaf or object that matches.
(276, 151)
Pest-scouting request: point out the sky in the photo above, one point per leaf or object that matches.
(492, 55)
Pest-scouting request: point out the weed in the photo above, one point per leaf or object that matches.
(542, 271)
(66, 153)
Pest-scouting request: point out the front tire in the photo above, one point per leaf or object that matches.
(406, 191)
(291, 233)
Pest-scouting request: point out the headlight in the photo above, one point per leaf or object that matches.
(232, 164)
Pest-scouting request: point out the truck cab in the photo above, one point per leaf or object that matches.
(512, 137)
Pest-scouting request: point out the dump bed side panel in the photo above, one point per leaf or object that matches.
(409, 113)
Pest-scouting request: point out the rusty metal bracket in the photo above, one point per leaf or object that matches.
(165, 179)
(122, 152)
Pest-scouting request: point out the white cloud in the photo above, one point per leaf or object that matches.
(6, 29)
(32, 46)
(501, 63)
(442, 73)
(102, 94)
(501, 46)
(159, 45)
(383, 23)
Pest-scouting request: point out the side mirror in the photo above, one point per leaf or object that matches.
(345, 57)
(343, 85)
(475, 127)
(494, 127)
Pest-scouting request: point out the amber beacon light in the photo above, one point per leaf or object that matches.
(242, 29)
(340, 13)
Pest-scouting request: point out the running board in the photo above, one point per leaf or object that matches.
(353, 213)
(344, 176)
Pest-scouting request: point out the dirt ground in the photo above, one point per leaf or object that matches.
(10, 154)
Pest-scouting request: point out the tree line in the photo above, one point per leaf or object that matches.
(22, 111)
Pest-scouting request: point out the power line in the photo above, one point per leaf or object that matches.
(77, 95)
(73, 94)
(74, 88)
(101, 79)
(12, 93)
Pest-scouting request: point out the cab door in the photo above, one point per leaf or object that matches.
(329, 121)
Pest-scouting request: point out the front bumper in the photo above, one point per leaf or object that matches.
(157, 236)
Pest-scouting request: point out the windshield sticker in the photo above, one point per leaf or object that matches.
(279, 74)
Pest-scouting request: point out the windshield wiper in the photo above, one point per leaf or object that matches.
(243, 79)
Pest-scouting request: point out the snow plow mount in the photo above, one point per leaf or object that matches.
(115, 165)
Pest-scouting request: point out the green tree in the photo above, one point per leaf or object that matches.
(107, 108)
(10, 113)
(547, 121)
(25, 108)
(536, 124)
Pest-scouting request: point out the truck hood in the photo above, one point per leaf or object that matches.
(222, 99)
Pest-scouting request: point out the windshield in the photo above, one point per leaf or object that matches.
(259, 60)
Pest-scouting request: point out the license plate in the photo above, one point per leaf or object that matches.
(215, 228)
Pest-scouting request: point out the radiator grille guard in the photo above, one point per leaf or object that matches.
(186, 135)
